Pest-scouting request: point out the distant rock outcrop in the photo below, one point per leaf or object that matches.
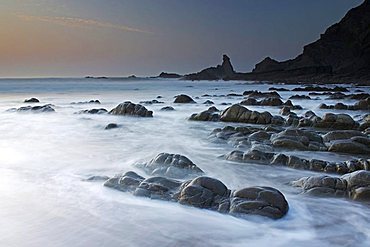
(342, 54)
(225, 71)
(169, 75)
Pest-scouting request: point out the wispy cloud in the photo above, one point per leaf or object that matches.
(80, 22)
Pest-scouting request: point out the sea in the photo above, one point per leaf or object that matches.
(45, 159)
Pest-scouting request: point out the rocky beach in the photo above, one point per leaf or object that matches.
(112, 162)
(270, 153)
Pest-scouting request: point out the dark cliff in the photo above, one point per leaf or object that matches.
(342, 54)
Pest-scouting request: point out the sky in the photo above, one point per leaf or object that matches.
(74, 38)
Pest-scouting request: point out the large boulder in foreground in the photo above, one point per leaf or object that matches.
(355, 185)
(131, 109)
(171, 165)
(205, 192)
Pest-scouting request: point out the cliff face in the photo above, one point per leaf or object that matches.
(342, 54)
(342, 51)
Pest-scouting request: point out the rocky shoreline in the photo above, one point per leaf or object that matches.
(257, 138)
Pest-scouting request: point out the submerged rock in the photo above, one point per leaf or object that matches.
(259, 94)
(93, 111)
(31, 100)
(111, 126)
(93, 101)
(171, 165)
(209, 115)
(151, 102)
(43, 108)
(167, 108)
(131, 109)
(183, 99)
(205, 192)
(297, 96)
(256, 156)
(361, 105)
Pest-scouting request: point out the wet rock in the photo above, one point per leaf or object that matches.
(355, 185)
(342, 135)
(297, 96)
(167, 108)
(258, 156)
(111, 126)
(298, 139)
(31, 100)
(151, 102)
(259, 94)
(208, 102)
(281, 89)
(205, 192)
(93, 101)
(234, 95)
(361, 105)
(158, 188)
(131, 109)
(333, 121)
(171, 165)
(209, 115)
(271, 101)
(251, 156)
(264, 201)
(321, 89)
(93, 111)
(97, 178)
(128, 181)
(183, 99)
(322, 185)
(43, 108)
(285, 111)
(240, 114)
(348, 146)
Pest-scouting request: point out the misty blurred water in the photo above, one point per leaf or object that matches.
(44, 158)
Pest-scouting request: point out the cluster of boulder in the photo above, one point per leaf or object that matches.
(41, 108)
(361, 105)
(275, 138)
(93, 111)
(354, 185)
(239, 114)
(93, 101)
(198, 191)
(271, 101)
(256, 156)
(206, 193)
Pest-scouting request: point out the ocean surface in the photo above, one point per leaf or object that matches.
(45, 157)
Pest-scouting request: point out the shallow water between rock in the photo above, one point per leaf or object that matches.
(45, 157)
